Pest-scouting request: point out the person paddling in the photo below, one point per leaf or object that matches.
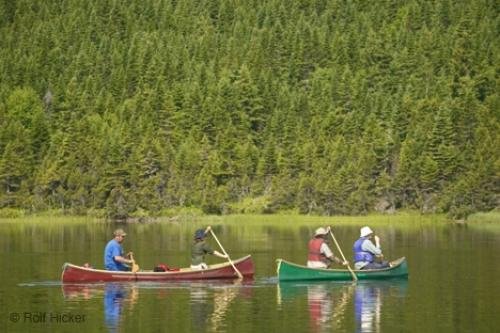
(114, 259)
(366, 253)
(320, 255)
(200, 248)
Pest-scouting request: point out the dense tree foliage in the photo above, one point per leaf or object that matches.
(328, 107)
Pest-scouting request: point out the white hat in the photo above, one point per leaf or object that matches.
(320, 231)
(365, 231)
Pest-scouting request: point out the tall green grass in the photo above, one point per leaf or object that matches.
(295, 220)
(47, 218)
(489, 217)
(406, 218)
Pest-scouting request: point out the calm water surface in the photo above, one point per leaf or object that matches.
(453, 284)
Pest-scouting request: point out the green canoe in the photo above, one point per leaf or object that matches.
(288, 271)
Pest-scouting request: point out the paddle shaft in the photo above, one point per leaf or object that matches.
(354, 277)
(224, 251)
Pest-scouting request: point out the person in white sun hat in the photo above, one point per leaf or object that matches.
(320, 255)
(366, 254)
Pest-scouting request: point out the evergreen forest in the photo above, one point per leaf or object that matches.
(328, 107)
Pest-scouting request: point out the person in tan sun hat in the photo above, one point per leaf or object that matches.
(320, 255)
(366, 253)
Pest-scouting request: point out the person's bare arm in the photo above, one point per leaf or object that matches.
(122, 260)
(220, 255)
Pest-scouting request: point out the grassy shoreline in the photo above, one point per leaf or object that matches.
(406, 217)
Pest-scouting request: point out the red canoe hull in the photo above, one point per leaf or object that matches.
(73, 273)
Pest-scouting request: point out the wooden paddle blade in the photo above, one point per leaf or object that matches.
(135, 267)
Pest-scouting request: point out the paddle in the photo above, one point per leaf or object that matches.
(135, 267)
(354, 277)
(224, 251)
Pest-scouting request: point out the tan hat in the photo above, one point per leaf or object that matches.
(119, 232)
(320, 231)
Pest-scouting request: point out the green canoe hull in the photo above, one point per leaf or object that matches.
(288, 271)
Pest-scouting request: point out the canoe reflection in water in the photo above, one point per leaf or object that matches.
(209, 300)
(331, 304)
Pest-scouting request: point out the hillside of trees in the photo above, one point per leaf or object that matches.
(233, 106)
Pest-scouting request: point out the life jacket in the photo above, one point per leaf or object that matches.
(315, 250)
(359, 254)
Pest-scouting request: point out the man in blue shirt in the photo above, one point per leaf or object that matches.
(114, 259)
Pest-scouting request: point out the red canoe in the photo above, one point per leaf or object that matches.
(74, 273)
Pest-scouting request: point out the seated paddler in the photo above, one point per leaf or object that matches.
(320, 255)
(200, 248)
(366, 254)
(114, 257)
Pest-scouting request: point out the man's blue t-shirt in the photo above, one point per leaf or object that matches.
(113, 248)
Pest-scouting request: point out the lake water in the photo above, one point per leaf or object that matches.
(453, 283)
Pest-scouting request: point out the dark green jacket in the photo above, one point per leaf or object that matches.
(198, 251)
